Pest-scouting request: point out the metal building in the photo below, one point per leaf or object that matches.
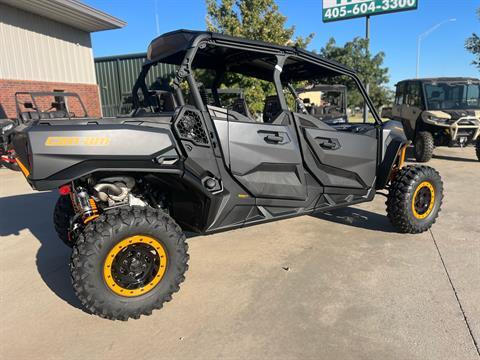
(46, 46)
(116, 76)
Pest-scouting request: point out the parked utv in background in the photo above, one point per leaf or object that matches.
(439, 112)
(32, 107)
(326, 102)
(7, 154)
(127, 184)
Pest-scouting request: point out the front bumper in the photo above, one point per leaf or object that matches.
(463, 130)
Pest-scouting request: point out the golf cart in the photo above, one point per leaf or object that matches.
(130, 186)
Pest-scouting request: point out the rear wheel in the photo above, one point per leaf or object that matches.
(423, 146)
(62, 214)
(128, 262)
(414, 199)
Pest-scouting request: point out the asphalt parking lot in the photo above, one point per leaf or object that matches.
(341, 285)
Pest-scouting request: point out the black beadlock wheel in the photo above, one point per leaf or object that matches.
(414, 199)
(128, 262)
(423, 147)
(62, 214)
(477, 148)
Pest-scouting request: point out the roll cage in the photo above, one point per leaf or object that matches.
(191, 50)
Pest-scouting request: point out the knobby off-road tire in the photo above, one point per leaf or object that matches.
(408, 208)
(477, 148)
(62, 214)
(423, 147)
(94, 251)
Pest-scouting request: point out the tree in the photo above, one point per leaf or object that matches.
(473, 45)
(256, 20)
(252, 19)
(369, 68)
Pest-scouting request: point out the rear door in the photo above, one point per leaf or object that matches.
(265, 157)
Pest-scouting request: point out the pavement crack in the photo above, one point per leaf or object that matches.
(456, 295)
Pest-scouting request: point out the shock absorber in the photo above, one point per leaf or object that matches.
(84, 205)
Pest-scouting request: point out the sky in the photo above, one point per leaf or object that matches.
(442, 51)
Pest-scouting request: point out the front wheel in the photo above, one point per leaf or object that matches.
(414, 199)
(423, 147)
(128, 262)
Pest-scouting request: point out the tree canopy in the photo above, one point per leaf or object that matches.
(262, 20)
(369, 68)
(252, 19)
(473, 45)
(256, 20)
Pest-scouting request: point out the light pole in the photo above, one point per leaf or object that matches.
(423, 36)
(367, 85)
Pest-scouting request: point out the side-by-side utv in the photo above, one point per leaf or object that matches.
(7, 155)
(129, 186)
(32, 107)
(439, 112)
(326, 102)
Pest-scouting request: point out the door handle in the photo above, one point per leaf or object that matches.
(328, 144)
(274, 138)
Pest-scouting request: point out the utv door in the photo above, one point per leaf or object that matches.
(263, 157)
(399, 101)
(344, 160)
(412, 108)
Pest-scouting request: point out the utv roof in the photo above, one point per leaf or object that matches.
(442, 79)
(237, 54)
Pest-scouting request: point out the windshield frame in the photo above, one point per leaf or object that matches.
(449, 83)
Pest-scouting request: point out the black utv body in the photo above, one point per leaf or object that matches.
(126, 182)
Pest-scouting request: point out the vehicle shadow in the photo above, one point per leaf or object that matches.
(410, 157)
(454, 158)
(34, 212)
(357, 218)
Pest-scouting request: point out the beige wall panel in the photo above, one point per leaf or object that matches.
(36, 48)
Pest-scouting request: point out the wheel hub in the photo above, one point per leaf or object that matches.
(423, 200)
(135, 265)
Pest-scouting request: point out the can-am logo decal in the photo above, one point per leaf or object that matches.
(77, 141)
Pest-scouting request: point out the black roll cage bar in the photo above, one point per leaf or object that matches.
(200, 41)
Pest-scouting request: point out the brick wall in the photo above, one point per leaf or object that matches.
(87, 92)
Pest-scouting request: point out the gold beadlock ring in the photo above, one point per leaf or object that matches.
(428, 185)
(107, 267)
